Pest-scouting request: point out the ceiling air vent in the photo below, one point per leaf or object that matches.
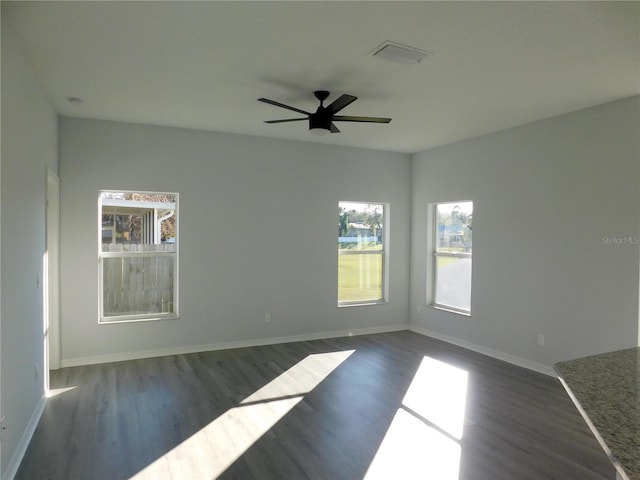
(399, 53)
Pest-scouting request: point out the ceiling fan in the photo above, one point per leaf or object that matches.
(322, 120)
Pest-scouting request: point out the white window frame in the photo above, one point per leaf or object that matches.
(136, 254)
(385, 258)
(435, 254)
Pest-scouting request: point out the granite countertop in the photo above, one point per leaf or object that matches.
(606, 390)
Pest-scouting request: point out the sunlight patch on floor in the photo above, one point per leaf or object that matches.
(411, 449)
(301, 378)
(210, 451)
(438, 393)
(54, 392)
(423, 438)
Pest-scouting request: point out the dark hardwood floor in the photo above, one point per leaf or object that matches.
(344, 408)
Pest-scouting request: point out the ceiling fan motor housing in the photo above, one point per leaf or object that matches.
(320, 120)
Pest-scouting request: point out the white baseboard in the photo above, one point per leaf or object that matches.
(118, 357)
(521, 362)
(16, 459)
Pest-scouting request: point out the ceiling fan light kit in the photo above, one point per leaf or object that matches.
(319, 125)
(322, 120)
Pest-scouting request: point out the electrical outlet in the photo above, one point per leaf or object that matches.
(419, 309)
(37, 370)
(267, 318)
(541, 340)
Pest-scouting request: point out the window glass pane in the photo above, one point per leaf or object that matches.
(453, 282)
(360, 226)
(359, 277)
(137, 285)
(138, 237)
(360, 252)
(454, 227)
(453, 248)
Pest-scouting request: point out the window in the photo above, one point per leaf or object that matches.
(452, 256)
(361, 253)
(138, 255)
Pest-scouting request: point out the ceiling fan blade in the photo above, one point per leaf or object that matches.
(278, 104)
(343, 118)
(285, 120)
(340, 102)
(333, 128)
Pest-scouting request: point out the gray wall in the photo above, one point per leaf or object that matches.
(550, 200)
(257, 233)
(29, 145)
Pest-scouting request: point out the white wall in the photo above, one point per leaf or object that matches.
(29, 144)
(544, 195)
(258, 227)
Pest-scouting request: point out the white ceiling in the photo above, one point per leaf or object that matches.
(202, 65)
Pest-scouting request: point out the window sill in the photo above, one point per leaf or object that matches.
(363, 304)
(446, 308)
(136, 319)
